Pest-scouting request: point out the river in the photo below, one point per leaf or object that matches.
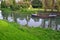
(24, 19)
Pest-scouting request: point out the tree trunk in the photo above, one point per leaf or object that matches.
(53, 3)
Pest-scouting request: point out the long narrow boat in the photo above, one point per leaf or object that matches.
(45, 15)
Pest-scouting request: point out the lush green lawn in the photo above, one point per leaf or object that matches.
(14, 31)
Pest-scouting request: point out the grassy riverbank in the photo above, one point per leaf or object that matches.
(23, 11)
(14, 31)
(26, 10)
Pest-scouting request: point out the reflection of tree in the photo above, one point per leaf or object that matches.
(5, 15)
(58, 20)
(14, 14)
(36, 19)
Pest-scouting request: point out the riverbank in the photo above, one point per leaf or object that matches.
(26, 10)
(14, 31)
(23, 11)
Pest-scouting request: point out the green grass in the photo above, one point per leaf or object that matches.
(14, 31)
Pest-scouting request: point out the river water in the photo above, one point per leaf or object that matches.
(24, 19)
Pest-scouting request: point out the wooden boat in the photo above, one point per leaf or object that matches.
(44, 15)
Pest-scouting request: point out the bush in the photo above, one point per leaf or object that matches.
(24, 5)
(18, 6)
(3, 4)
(36, 4)
(14, 7)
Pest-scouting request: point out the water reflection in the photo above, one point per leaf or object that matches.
(58, 27)
(22, 22)
(46, 24)
(1, 17)
(32, 22)
(10, 19)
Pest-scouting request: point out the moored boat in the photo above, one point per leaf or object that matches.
(44, 15)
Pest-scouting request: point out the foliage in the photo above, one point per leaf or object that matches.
(22, 11)
(6, 4)
(36, 4)
(14, 31)
(14, 7)
(58, 5)
(24, 5)
(27, 0)
(3, 4)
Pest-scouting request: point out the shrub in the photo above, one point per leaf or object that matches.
(36, 4)
(24, 5)
(3, 4)
(14, 7)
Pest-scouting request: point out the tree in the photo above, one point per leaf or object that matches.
(3, 4)
(36, 4)
(58, 5)
(53, 5)
(24, 4)
(48, 4)
(6, 4)
(14, 6)
(27, 0)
